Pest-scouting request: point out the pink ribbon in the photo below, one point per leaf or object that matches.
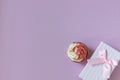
(109, 64)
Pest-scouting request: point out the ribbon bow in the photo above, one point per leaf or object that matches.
(109, 64)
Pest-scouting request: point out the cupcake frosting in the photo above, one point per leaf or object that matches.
(77, 51)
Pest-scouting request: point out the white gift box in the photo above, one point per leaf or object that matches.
(96, 72)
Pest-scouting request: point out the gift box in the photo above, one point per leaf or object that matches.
(102, 63)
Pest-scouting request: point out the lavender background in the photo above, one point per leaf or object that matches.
(35, 34)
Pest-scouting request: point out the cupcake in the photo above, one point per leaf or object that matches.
(77, 51)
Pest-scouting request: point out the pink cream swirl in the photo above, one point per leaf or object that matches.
(77, 51)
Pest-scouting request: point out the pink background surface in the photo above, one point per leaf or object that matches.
(35, 34)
